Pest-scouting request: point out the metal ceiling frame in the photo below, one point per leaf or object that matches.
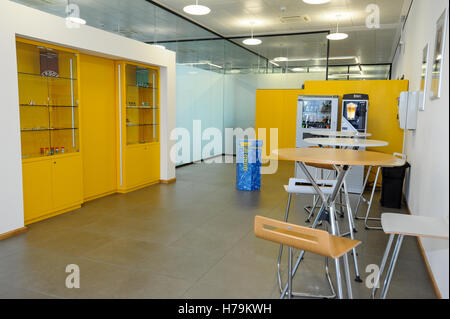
(229, 39)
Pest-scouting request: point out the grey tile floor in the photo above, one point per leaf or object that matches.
(190, 239)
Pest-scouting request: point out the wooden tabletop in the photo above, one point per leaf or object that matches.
(346, 142)
(337, 157)
(340, 134)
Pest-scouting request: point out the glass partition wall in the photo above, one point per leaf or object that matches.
(217, 77)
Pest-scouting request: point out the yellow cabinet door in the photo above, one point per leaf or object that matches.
(37, 189)
(135, 166)
(67, 177)
(152, 169)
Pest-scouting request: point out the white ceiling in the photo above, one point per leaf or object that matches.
(232, 18)
(140, 20)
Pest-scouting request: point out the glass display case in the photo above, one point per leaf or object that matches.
(48, 100)
(142, 104)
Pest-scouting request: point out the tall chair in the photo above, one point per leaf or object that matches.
(401, 226)
(303, 238)
(366, 218)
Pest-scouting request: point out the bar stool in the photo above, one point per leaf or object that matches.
(302, 187)
(366, 218)
(406, 225)
(303, 238)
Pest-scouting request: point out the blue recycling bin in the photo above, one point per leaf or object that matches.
(248, 168)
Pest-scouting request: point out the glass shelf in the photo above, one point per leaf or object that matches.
(47, 76)
(141, 107)
(35, 105)
(48, 99)
(48, 129)
(142, 87)
(131, 125)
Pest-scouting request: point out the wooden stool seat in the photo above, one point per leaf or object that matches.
(312, 240)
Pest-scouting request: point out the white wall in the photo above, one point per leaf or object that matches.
(240, 94)
(199, 97)
(19, 20)
(428, 147)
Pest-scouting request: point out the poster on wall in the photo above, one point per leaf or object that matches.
(438, 58)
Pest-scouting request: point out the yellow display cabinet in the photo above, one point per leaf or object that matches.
(49, 119)
(139, 117)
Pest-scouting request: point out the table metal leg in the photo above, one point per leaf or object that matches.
(361, 196)
(369, 202)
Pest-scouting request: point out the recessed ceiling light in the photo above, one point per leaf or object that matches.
(196, 9)
(316, 1)
(281, 59)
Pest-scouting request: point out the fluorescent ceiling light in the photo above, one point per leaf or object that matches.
(196, 9)
(252, 41)
(76, 20)
(159, 46)
(298, 69)
(316, 1)
(203, 63)
(283, 59)
(276, 64)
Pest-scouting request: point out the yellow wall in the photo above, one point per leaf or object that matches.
(382, 117)
(98, 112)
(278, 109)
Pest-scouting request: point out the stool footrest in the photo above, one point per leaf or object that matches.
(303, 186)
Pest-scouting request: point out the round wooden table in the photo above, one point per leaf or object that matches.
(337, 157)
(341, 134)
(343, 159)
(346, 142)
